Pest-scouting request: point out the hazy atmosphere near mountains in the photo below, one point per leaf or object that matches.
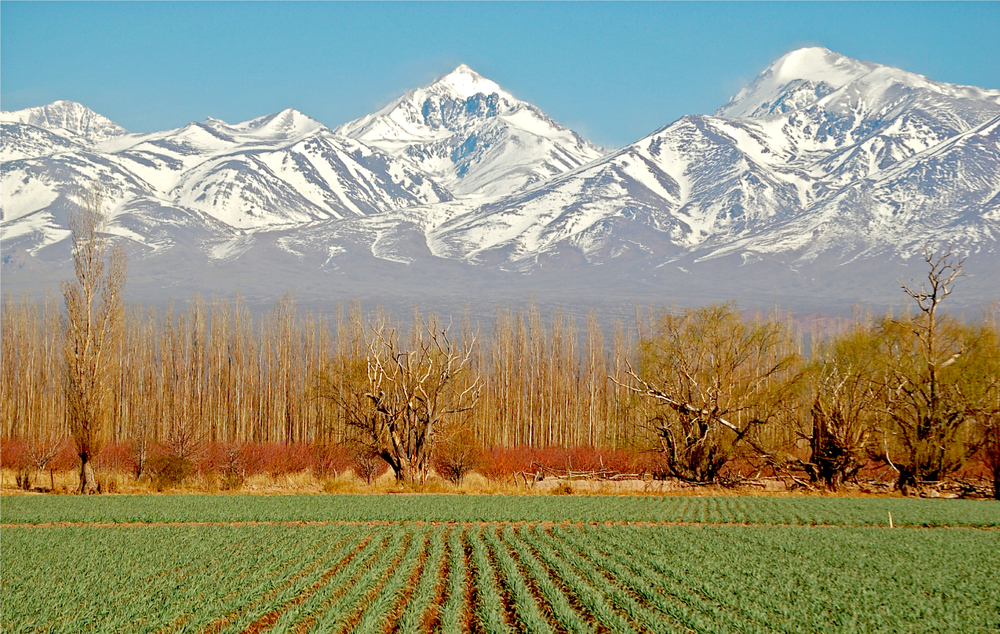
(478, 154)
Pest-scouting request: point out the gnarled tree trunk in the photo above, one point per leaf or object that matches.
(88, 480)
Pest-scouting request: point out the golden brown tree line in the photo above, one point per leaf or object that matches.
(215, 372)
(702, 387)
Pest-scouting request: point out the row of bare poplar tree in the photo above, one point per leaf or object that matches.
(214, 372)
(919, 393)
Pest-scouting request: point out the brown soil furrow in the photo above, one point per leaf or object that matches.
(310, 621)
(432, 618)
(222, 622)
(44, 525)
(471, 622)
(571, 595)
(503, 587)
(410, 587)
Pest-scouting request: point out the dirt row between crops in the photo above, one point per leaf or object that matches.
(544, 524)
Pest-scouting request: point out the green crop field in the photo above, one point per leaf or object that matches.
(496, 564)
(498, 508)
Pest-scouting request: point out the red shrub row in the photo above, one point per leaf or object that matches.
(274, 458)
(502, 463)
(246, 459)
(19, 454)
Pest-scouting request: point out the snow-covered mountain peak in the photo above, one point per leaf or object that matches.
(214, 135)
(469, 134)
(796, 80)
(285, 124)
(463, 83)
(449, 104)
(67, 116)
(819, 64)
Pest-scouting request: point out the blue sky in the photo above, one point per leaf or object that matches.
(612, 71)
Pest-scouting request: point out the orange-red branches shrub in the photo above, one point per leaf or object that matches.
(502, 462)
(330, 459)
(13, 453)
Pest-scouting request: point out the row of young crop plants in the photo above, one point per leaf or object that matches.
(498, 578)
(501, 508)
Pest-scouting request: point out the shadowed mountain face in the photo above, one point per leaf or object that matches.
(818, 184)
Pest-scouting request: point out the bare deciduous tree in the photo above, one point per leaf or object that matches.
(401, 395)
(92, 325)
(925, 395)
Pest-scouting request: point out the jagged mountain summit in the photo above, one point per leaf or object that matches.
(472, 136)
(68, 117)
(822, 178)
(58, 127)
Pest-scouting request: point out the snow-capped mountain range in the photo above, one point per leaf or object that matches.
(828, 154)
(824, 167)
